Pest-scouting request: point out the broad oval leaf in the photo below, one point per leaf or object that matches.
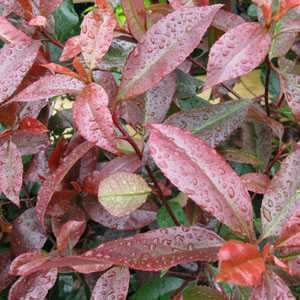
(292, 92)
(282, 199)
(34, 286)
(200, 172)
(113, 284)
(240, 263)
(122, 193)
(212, 123)
(162, 248)
(52, 182)
(71, 49)
(237, 52)
(96, 35)
(93, 118)
(49, 86)
(11, 172)
(164, 46)
(15, 62)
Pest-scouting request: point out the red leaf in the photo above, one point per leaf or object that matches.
(112, 285)
(5, 278)
(56, 154)
(96, 35)
(32, 125)
(256, 182)
(208, 180)
(49, 86)
(161, 249)
(11, 172)
(27, 234)
(72, 48)
(55, 68)
(33, 287)
(240, 263)
(93, 118)
(225, 20)
(273, 287)
(135, 14)
(52, 182)
(164, 47)
(237, 52)
(83, 75)
(15, 62)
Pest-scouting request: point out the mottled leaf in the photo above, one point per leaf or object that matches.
(5, 278)
(240, 263)
(206, 179)
(93, 118)
(237, 52)
(256, 182)
(225, 20)
(164, 46)
(113, 284)
(71, 49)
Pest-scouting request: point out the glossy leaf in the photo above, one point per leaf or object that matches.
(113, 284)
(71, 49)
(15, 62)
(122, 193)
(55, 68)
(212, 123)
(11, 172)
(164, 46)
(93, 118)
(49, 86)
(292, 92)
(208, 180)
(96, 35)
(225, 20)
(52, 182)
(282, 199)
(32, 125)
(161, 249)
(256, 182)
(240, 263)
(236, 53)
(34, 287)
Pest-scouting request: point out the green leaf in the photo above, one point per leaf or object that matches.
(202, 292)
(163, 218)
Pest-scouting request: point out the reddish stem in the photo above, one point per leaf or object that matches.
(51, 39)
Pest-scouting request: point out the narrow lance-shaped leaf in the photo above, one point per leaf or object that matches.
(161, 249)
(96, 35)
(164, 46)
(237, 52)
(71, 49)
(122, 193)
(212, 123)
(113, 284)
(206, 179)
(11, 171)
(52, 182)
(282, 198)
(93, 119)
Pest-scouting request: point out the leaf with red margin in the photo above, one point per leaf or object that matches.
(55, 68)
(256, 182)
(237, 52)
(96, 35)
(52, 182)
(34, 286)
(49, 86)
(226, 20)
(282, 199)
(26, 234)
(10, 34)
(32, 125)
(273, 287)
(135, 13)
(72, 48)
(164, 47)
(5, 278)
(240, 263)
(161, 249)
(11, 172)
(206, 179)
(93, 118)
(113, 284)
(15, 62)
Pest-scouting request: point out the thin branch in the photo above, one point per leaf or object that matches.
(267, 84)
(51, 39)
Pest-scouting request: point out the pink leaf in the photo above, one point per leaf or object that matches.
(52, 182)
(5, 278)
(38, 21)
(112, 285)
(206, 179)
(256, 182)
(11, 172)
(161, 249)
(93, 118)
(96, 35)
(164, 47)
(49, 86)
(225, 20)
(71, 49)
(33, 287)
(177, 4)
(55, 68)
(237, 52)
(15, 62)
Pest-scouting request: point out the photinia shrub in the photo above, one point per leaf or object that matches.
(149, 150)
